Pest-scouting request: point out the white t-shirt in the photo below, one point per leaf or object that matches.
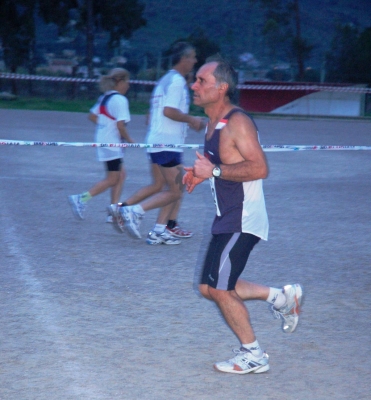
(171, 91)
(117, 107)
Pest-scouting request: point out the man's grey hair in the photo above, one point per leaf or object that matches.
(225, 73)
(179, 50)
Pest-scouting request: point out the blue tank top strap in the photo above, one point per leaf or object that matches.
(103, 105)
(211, 146)
(237, 109)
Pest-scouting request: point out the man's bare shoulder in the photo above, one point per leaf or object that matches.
(239, 140)
(241, 117)
(240, 123)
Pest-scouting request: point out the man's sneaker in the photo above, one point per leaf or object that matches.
(244, 362)
(132, 220)
(290, 311)
(109, 219)
(78, 207)
(179, 232)
(117, 219)
(161, 238)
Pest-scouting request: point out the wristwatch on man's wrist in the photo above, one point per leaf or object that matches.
(217, 172)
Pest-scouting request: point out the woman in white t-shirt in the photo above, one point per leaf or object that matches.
(110, 114)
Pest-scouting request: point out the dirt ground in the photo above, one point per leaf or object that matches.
(87, 313)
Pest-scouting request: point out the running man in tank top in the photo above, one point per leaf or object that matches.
(240, 206)
(235, 165)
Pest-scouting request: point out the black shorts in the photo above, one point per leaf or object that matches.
(114, 165)
(226, 259)
(166, 159)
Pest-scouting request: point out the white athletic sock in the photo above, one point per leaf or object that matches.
(138, 209)
(276, 297)
(254, 348)
(159, 228)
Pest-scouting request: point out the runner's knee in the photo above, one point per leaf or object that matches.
(114, 178)
(204, 290)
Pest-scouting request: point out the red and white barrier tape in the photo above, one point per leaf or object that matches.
(5, 142)
(349, 89)
(310, 88)
(4, 75)
(287, 147)
(274, 147)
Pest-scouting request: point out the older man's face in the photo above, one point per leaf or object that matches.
(206, 90)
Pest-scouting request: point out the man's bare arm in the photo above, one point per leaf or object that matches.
(195, 123)
(241, 153)
(93, 118)
(242, 156)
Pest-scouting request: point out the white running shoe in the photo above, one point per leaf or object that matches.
(132, 220)
(161, 238)
(290, 311)
(109, 219)
(117, 219)
(244, 362)
(78, 207)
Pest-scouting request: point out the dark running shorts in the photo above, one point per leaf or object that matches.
(114, 165)
(226, 259)
(166, 159)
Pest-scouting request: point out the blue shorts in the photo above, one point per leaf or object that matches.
(166, 159)
(114, 165)
(226, 258)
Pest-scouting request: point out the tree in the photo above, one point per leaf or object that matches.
(282, 26)
(120, 18)
(340, 60)
(56, 11)
(275, 39)
(363, 56)
(204, 46)
(17, 27)
(17, 33)
(300, 47)
(17, 24)
(349, 58)
(13, 33)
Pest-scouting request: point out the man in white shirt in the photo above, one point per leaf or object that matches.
(169, 120)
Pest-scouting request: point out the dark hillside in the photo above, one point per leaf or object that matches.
(236, 25)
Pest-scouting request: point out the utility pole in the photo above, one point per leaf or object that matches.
(89, 37)
(299, 42)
